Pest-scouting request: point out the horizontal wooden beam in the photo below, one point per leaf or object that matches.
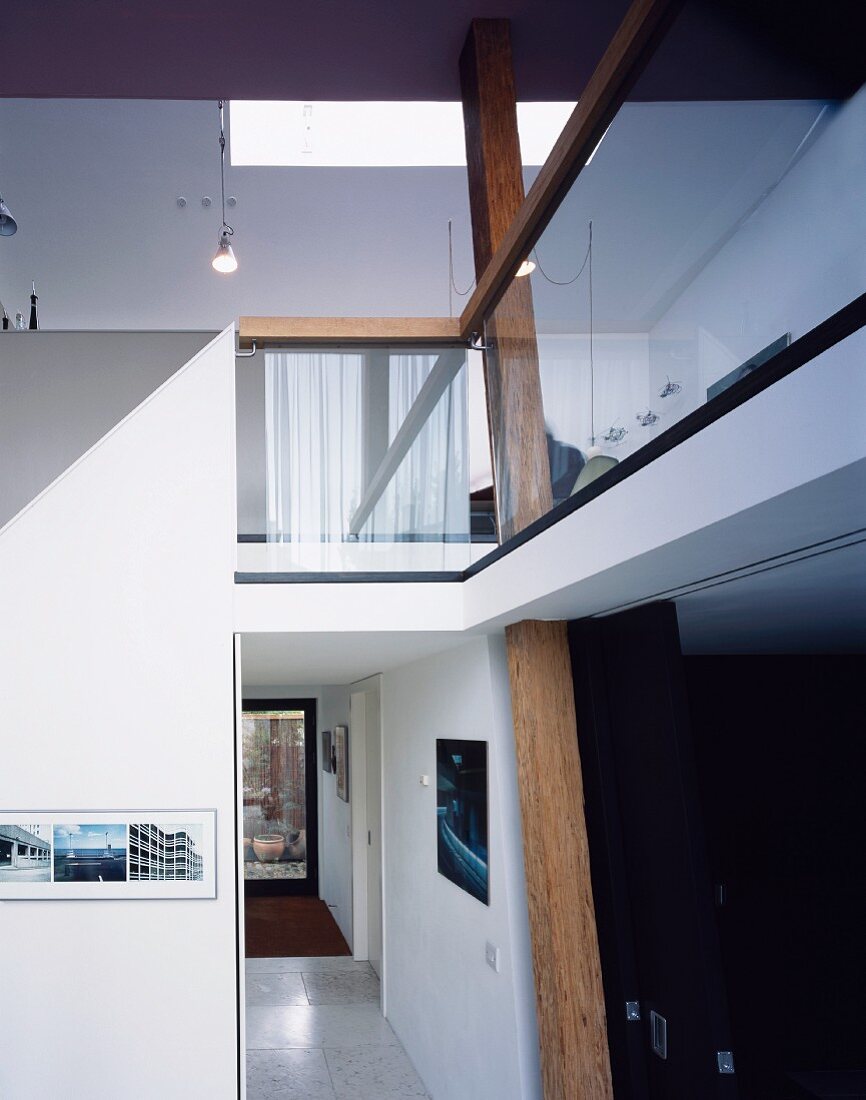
(442, 374)
(275, 331)
(623, 61)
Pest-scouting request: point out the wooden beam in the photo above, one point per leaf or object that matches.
(521, 469)
(443, 373)
(568, 985)
(623, 61)
(416, 331)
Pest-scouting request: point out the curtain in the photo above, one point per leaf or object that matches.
(316, 463)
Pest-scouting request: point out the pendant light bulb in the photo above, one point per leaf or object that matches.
(224, 261)
(526, 268)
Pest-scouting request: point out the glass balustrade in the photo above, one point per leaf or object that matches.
(703, 236)
(369, 466)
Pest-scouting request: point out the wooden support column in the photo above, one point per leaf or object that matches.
(515, 408)
(569, 994)
(575, 1062)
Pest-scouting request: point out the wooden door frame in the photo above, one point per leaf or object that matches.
(308, 886)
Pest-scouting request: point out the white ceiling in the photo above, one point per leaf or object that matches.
(271, 660)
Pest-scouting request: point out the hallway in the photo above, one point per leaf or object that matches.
(314, 1031)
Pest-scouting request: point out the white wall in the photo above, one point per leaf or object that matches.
(469, 1031)
(93, 185)
(796, 260)
(62, 391)
(116, 692)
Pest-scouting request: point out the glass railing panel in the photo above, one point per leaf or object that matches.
(367, 462)
(702, 237)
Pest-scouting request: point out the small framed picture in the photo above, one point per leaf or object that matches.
(341, 761)
(327, 759)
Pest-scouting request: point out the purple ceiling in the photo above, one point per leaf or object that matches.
(396, 49)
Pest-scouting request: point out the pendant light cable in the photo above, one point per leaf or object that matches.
(226, 227)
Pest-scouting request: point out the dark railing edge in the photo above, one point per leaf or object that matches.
(840, 325)
(411, 577)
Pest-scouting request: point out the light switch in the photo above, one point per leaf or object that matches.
(425, 780)
(491, 953)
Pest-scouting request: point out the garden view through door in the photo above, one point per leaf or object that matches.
(279, 777)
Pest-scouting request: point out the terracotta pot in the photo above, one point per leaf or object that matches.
(269, 846)
(297, 849)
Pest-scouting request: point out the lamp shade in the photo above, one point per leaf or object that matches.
(526, 268)
(8, 225)
(224, 261)
(597, 465)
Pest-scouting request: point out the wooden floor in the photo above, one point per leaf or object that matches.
(291, 927)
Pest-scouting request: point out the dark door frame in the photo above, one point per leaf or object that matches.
(310, 884)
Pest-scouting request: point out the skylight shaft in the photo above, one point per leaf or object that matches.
(373, 134)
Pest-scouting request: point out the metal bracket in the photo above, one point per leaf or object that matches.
(725, 1061)
(476, 343)
(632, 1010)
(246, 354)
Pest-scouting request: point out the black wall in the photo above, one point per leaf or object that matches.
(780, 754)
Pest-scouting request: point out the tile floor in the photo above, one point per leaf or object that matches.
(315, 1032)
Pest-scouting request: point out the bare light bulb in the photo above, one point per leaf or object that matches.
(224, 261)
(526, 268)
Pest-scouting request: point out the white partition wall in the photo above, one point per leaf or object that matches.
(116, 692)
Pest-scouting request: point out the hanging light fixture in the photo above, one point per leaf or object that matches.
(8, 225)
(224, 261)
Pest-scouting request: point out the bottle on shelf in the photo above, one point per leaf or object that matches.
(20, 323)
(5, 320)
(34, 323)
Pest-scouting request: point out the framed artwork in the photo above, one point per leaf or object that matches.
(63, 854)
(327, 760)
(462, 815)
(341, 761)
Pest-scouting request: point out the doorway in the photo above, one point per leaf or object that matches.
(280, 797)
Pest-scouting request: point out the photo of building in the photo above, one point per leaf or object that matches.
(89, 853)
(165, 853)
(25, 853)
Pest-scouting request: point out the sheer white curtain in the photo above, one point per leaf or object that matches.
(315, 438)
(314, 444)
(428, 497)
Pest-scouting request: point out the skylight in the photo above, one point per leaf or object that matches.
(391, 134)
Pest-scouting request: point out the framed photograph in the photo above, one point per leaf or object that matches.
(327, 760)
(341, 761)
(462, 815)
(114, 854)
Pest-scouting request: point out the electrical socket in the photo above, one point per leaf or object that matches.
(491, 954)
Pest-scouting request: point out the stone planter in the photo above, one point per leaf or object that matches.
(269, 846)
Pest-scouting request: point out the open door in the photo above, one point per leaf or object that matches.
(280, 797)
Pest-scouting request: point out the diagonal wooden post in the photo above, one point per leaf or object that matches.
(572, 1028)
(515, 408)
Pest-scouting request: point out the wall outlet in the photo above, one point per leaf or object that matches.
(491, 954)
